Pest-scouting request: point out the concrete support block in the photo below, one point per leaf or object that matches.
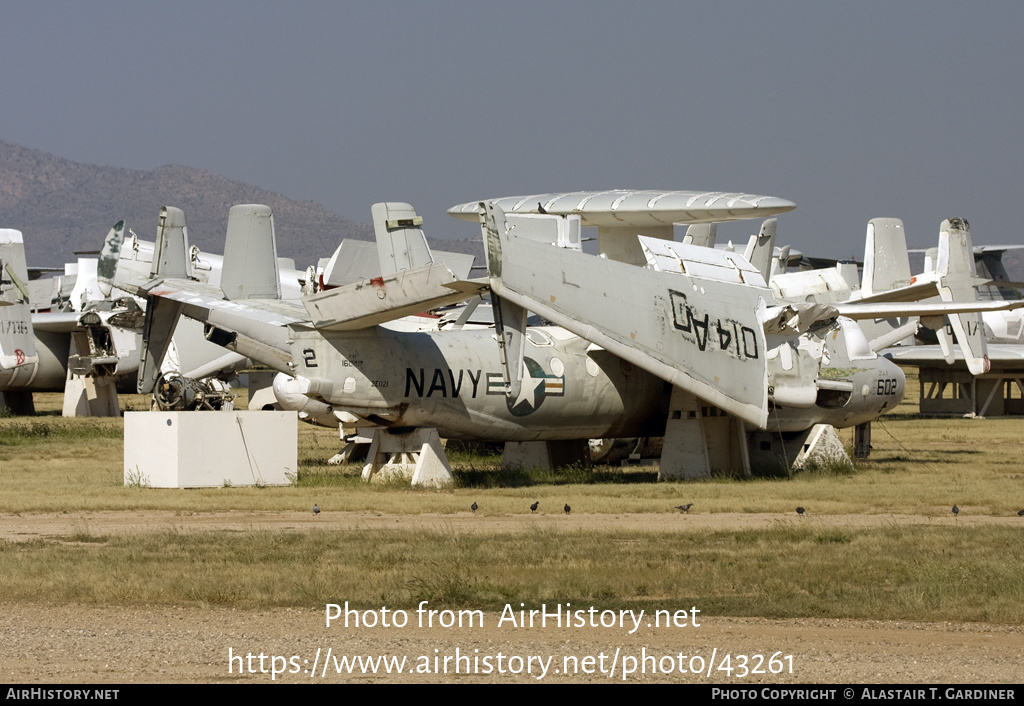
(417, 456)
(545, 455)
(210, 449)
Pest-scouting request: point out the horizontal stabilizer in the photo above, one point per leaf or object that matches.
(999, 355)
(885, 310)
(381, 299)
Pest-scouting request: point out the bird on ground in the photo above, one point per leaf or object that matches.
(567, 509)
(956, 510)
(474, 507)
(316, 509)
(1020, 513)
(533, 508)
(684, 508)
(800, 511)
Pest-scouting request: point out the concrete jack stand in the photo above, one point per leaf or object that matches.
(822, 444)
(90, 396)
(416, 455)
(545, 455)
(791, 450)
(700, 438)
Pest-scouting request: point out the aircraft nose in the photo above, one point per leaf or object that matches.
(890, 384)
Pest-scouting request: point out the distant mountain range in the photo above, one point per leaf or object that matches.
(62, 206)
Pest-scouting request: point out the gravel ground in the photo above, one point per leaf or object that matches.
(88, 644)
(113, 644)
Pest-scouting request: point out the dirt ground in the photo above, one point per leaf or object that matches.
(109, 644)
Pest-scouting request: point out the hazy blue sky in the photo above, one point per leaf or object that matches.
(852, 110)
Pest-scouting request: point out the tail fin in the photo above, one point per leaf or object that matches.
(171, 258)
(250, 254)
(106, 268)
(886, 261)
(13, 270)
(955, 269)
(761, 248)
(401, 244)
(780, 263)
(18, 357)
(702, 234)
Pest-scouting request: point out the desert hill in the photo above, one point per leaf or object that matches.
(62, 206)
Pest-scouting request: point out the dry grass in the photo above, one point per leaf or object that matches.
(913, 573)
(918, 467)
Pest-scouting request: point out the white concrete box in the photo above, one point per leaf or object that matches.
(210, 449)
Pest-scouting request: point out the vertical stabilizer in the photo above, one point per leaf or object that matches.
(761, 248)
(955, 269)
(702, 234)
(780, 263)
(106, 267)
(989, 265)
(401, 244)
(171, 258)
(250, 254)
(886, 261)
(18, 357)
(13, 270)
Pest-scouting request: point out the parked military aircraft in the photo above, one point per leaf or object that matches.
(90, 342)
(711, 357)
(81, 351)
(887, 278)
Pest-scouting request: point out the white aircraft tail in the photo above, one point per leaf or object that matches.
(957, 278)
(106, 266)
(702, 234)
(761, 248)
(886, 261)
(401, 244)
(250, 254)
(18, 357)
(171, 258)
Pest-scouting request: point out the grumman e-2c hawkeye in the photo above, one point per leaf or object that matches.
(694, 349)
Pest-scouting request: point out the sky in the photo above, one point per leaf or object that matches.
(851, 110)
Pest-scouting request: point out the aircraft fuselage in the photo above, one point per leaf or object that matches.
(452, 381)
(571, 389)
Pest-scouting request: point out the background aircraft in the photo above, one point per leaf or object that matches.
(712, 360)
(341, 352)
(82, 351)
